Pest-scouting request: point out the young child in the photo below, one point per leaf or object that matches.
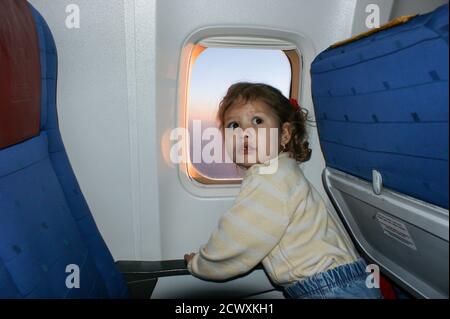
(279, 219)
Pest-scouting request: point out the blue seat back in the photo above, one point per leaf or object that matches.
(381, 103)
(46, 228)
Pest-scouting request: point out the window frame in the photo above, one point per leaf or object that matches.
(299, 41)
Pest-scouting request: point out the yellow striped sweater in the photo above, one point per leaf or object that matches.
(280, 220)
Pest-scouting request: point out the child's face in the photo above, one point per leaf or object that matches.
(251, 116)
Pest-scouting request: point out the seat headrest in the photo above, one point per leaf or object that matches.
(20, 83)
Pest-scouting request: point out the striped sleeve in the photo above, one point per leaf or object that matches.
(245, 234)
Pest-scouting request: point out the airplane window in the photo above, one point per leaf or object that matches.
(212, 72)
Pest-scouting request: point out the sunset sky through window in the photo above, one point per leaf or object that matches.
(218, 68)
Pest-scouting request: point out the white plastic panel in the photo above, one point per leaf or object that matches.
(407, 7)
(407, 237)
(245, 42)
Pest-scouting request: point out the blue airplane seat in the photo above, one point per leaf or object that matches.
(46, 228)
(381, 103)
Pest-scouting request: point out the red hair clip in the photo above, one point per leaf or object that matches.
(295, 104)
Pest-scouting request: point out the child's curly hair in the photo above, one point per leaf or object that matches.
(243, 92)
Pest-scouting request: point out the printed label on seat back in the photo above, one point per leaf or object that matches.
(396, 229)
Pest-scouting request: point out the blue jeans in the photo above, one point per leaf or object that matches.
(343, 282)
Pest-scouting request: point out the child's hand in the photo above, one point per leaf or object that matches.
(188, 257)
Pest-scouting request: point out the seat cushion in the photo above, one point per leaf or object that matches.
(39, 236)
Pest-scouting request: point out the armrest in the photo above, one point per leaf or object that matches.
(152, 269)
(141, 276)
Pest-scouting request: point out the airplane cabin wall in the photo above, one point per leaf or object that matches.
(105, 100)
(187, 221)
(118, 95)
(407, 7)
